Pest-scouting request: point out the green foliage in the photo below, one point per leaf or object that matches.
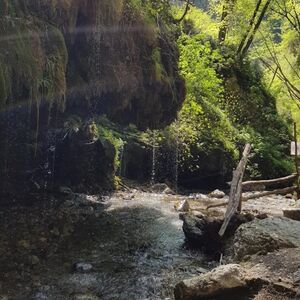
(107, 132)
(199, 63)
(269, 157)
(202, 127)
(227, 103)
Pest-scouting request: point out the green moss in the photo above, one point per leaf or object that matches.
(108, 133)
(33, 64)
(159, 69)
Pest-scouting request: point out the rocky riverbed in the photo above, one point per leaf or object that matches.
(126, 245)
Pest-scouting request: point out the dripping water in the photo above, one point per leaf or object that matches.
(153, 171)
(154, 159)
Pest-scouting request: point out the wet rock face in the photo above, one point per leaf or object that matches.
(119, 62)
(84, 163)
(82, 58)
(267, 235)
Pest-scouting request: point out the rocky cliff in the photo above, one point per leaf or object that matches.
(69, 60)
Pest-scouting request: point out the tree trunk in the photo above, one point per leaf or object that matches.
(234, 202)
(227, 9)
(250, 27)
(256, 27)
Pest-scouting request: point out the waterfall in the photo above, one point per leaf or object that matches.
(154, 158)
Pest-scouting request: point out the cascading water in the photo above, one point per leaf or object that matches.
(153, 171)
(154, 158)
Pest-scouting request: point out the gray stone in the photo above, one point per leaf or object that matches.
(202, 231)
(40, 296)
(267, 235)
(217, 194)
(292, 213)
(183, 206)
(82, 267)
(160, 188)
(223, 278)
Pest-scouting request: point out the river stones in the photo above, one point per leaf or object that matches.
(211, 284)
(267, 235)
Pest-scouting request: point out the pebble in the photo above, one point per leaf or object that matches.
(34, 260)
(40, 296)
(82, 267)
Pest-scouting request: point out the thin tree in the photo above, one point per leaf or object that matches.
(250, 27)
(290, 13)
(255, 26)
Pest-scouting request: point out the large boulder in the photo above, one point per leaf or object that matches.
(202, 231)
(262, 236)
(219, 280)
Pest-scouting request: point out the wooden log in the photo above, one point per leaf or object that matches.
(234, 202)
(259, 195)
(269, 181)
(274, 192)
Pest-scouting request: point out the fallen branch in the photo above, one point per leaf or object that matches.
(267, 193)
(258, 195)
(270, 181)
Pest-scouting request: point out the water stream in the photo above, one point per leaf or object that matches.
(136, 248)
